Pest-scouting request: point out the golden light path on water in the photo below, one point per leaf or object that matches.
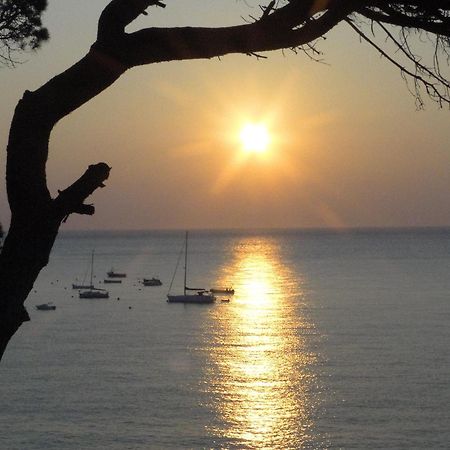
(260, 363)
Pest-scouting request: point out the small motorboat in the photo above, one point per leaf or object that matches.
(225, 291)
(94, 293)
(46, 307)
(107, 280)
(113, 274)
(151, 282)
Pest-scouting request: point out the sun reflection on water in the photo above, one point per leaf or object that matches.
(261, 375)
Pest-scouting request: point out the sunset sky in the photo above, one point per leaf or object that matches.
(346, 146)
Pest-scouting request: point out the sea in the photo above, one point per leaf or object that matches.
(334, 339)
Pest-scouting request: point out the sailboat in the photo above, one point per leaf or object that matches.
(201, 296)
(93, 292)
(83, 285)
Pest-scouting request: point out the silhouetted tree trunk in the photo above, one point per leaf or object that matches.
(35, 216)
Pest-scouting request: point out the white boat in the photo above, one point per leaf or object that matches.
(93, 292)
(201, 296)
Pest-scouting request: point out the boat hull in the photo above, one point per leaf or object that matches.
(82, 286)
(93, 294)
(224, 291)
(112, 274)
(196, 298)
(46, 307)
(151, 282)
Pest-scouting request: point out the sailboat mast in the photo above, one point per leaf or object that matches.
(92, 266)
(185, 261)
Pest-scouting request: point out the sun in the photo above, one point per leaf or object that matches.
(254, 137)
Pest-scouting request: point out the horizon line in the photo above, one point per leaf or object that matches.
(243, 229)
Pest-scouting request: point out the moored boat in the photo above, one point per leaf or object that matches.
(151, 282)
(82, 286)
(46, 307)
(225, 290)
(93, 292)
(202, 296)
(113, 274)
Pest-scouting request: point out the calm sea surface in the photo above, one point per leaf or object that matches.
(332, 340)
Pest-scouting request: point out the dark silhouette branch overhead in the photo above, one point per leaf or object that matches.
(390, 27)
(296, 24)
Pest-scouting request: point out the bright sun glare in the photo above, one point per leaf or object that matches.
(254, 138)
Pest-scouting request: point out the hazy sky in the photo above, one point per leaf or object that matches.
(348, 147)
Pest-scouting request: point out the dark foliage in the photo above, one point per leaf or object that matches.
(20, 28)
(413, 35)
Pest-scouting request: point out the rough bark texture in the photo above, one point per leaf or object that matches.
(35, 216)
